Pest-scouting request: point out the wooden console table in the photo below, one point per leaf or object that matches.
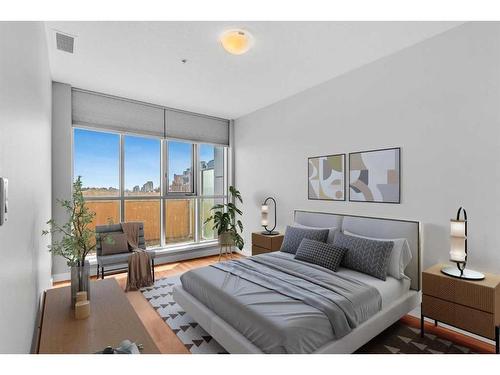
(112, 320)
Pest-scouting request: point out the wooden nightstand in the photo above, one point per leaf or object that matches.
(473, 306)
(265, 244)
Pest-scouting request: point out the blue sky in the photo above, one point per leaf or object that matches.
(97, 159)
(179, 156)
(142, 161)
(206, 153)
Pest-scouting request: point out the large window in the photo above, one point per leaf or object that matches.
(168, 185)
(142, 166)
(212, 170)
(212, 185)
(180, 167)
(207, 231)
(147, 211)
(179, 220)
(142, 176)
(107, 212)
(97, 160)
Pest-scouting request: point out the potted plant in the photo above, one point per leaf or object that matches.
(74, 240)
(229, 228)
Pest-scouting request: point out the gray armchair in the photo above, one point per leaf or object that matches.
(116, 262)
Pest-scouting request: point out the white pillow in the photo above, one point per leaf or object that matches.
(400, 255)
(331, 231)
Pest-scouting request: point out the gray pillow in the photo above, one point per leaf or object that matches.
(331, 231)
(294, 236)
(364, 255)
(323, 254)
(114, 243)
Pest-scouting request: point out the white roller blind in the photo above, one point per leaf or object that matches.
(196, 128)
(91, 109)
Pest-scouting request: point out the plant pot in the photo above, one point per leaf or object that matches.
(80, 281)
(226, 239)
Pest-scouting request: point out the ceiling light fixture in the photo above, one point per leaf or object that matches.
(236, 41)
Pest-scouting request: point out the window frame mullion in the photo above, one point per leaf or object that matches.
(163, 191)
(197, 191)
(122, 177)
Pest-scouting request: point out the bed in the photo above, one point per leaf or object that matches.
(251, 313)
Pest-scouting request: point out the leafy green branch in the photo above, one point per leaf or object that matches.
(76, 238)
(225, 218)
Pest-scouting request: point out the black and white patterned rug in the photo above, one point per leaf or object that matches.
(194, 338)
(403, 339)
(397, 339)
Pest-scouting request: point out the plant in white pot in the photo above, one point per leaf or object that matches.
(229, 227)
(74, 240)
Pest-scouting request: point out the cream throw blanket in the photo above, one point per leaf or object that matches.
(139, 265)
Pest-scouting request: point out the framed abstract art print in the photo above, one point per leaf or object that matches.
(327, 177)
(375, 176)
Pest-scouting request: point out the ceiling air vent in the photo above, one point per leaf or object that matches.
(65, 42)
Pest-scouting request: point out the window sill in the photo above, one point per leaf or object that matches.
(184, 247)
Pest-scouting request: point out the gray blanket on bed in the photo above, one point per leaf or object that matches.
(337, 297)
(261, 297)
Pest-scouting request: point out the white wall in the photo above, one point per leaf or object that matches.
(62, 169)
(25, 122)
(438, 100)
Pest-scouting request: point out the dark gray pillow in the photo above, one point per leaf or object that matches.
(294, 236)
(323, 254)
(114, 243)
(364, 255)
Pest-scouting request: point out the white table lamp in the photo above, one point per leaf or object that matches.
(264, 217)
(458, 250)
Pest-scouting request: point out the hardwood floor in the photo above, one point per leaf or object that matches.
(166, 340)
(168, 343)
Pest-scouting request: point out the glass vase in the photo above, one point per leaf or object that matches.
(80, 281)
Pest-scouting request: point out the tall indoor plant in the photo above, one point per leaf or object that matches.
(74, 240)
(229, 228)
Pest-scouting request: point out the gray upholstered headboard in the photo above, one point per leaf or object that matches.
(371, 227)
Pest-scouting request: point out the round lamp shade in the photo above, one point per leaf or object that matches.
(236, 42)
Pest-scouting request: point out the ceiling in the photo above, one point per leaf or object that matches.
(142, 60)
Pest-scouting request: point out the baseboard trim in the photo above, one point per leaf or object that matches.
(58, 277)
(35, 341)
